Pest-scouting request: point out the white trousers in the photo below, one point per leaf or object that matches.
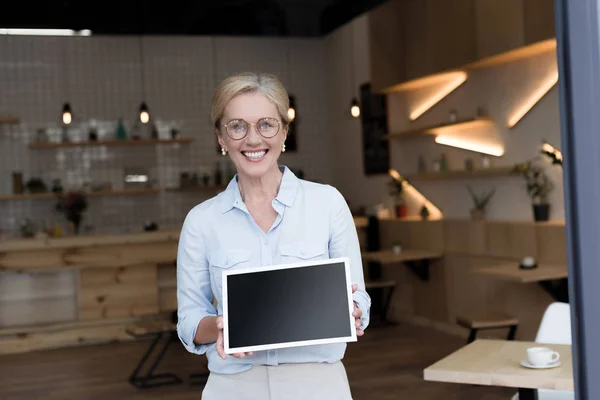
(314, 381)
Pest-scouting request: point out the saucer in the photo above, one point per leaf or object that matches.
(527, 364)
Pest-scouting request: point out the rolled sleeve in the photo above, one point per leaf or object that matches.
(343, 242)
(194, 293)
(364, 303)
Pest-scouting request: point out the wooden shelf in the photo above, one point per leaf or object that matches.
(519, 53)
(406, 255)
(454, 175)
(114, 143)
(8, 120)
(512, 272)
(167, 283)
(27, 196)
(431, 131)
(125, 192)
(197, 188)
(49, 195)
(361, 222)
(410, 218)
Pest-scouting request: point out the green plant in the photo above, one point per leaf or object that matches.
(480, 202)
(424, 212)
(537, 183)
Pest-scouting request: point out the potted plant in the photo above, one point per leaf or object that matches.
(396, 190)
(480, 203)
(73, 204)
(538, 187)
(424, 212)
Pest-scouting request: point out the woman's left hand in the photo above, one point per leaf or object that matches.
(357, 313)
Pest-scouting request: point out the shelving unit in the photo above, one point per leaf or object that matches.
(431, 131)
(49, 195)
(113, 143)
(198, 188)
(8, 120)
(455, 175)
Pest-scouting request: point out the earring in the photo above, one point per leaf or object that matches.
(283, 148)
(223, 151)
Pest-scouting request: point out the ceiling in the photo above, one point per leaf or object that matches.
(188, 17)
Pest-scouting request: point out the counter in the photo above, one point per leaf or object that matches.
(85, 289)
(62, 285)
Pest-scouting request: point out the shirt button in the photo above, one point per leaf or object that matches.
(272, 353)
(265, 241)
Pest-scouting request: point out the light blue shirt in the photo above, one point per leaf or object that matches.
(313, 222)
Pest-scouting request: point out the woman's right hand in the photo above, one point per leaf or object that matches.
(221, 345)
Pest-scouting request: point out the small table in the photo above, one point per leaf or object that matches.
(416, 260)
(165, 331)
(553, 278)
(496, 363)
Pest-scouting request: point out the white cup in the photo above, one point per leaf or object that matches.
(540, 356)
(528, 261)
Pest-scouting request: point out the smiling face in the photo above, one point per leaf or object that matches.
(254, 155)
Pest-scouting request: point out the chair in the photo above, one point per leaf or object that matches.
(555, 328)
(382, 285)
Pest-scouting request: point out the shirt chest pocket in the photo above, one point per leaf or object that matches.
(302, 251)
(227, 260)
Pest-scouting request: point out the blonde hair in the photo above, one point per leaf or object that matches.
(249, 82)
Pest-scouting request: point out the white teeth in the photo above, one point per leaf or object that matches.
(255, 154)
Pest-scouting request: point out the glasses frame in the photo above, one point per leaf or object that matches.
(252, 125)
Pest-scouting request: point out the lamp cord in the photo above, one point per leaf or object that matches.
(142, 77)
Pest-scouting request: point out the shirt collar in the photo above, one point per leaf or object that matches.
(288, 188)
(287, 191)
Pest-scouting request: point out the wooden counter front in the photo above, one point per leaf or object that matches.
(28, 255)
(85, 289)
(88, 241)
(78, 280)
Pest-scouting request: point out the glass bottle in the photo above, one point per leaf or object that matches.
(121, 131)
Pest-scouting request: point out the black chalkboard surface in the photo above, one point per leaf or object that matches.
(288, 305)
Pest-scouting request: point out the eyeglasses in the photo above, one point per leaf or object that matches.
(237, 129)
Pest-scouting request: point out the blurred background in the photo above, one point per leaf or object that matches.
(436, 119)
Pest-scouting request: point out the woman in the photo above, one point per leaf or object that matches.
(266, 216)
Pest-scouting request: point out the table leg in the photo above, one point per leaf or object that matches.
(558, 289)
(386, 306)
(528, 394)
(419, 268)
(150, 379)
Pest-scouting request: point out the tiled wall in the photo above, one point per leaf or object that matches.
(348, 67)
(101, 78)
